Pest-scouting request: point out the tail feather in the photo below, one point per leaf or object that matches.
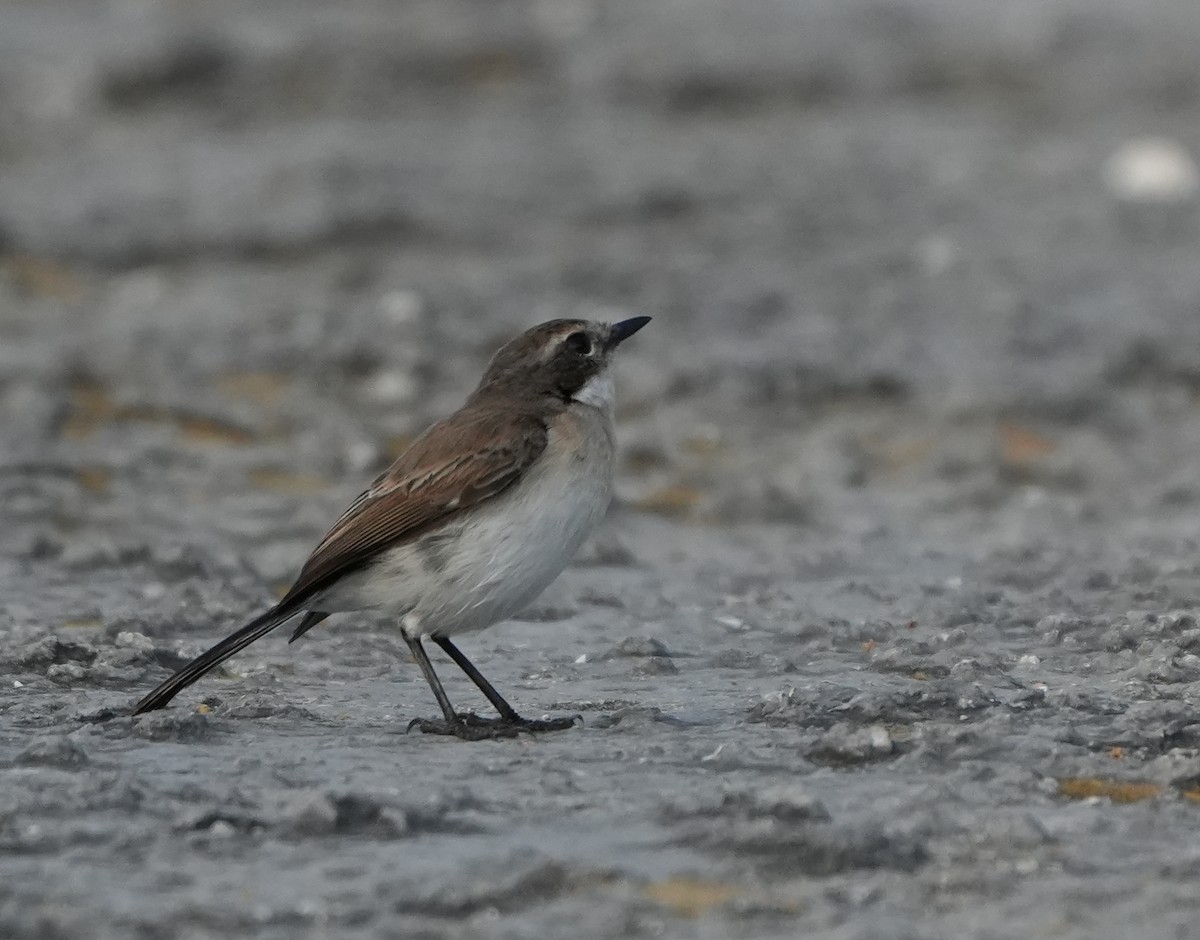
(311, 619)
(208, 661)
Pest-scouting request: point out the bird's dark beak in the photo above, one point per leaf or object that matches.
(619, 332)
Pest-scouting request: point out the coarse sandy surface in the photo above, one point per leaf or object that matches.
(892, 631)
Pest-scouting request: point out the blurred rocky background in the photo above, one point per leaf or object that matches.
(918, 405)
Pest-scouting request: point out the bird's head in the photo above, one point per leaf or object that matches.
(567, 359)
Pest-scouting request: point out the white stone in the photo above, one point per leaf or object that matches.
(127, 639)
(1152, 169)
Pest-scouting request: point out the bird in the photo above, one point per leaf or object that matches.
(471, 522)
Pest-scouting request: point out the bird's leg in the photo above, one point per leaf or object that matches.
(508, 714)
(435, 683)
(506, 711)
(460, 726)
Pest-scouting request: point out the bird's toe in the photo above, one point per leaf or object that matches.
(466, 729)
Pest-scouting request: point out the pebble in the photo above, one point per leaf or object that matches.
(656, 666)
(776, 703)
(312, 814)
(1152, 170)
(845, 744)
(66, 672)
(134, 641)
(222, 829)
(635, 647)
(50, 650)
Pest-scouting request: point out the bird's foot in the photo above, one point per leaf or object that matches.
(544, 724)
(466, 727)
(472, 727)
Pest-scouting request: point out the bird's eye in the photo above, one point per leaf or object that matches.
(579, 344)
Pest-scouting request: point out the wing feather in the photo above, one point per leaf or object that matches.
(454, 465)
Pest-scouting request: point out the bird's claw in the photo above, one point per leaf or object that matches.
(471, 727)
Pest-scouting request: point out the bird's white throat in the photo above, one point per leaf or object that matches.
(598, 391)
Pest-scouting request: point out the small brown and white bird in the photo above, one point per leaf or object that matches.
(473, 521)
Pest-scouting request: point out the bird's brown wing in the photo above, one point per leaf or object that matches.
(456, 464)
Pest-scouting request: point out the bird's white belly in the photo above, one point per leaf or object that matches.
(495, 558)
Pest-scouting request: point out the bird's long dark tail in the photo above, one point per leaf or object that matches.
(205, 662)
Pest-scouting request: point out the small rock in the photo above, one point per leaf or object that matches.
(635, 646)
(775, 704)
(1056, 627)
(220, 823)
(321, 814)
(312, 814)
(843, 744)
(268, 706)
(956, 637)
(117, 663)
(65, 673)
(50, 650)
(1152, 170)
(635, 718)
(656, 666)
(134, 641)
(967, 669)
(365, 815)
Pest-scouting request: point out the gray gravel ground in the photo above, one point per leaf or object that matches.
(893, 632)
